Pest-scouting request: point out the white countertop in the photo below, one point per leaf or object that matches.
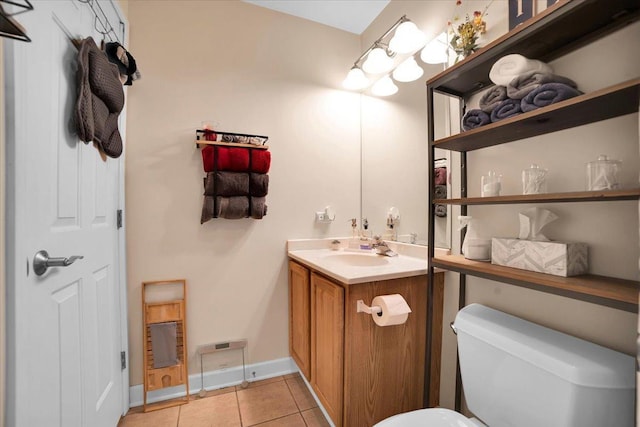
(354, 266)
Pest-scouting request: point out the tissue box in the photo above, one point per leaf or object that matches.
(557, 258)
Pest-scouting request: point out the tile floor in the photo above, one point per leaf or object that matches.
(282, 401)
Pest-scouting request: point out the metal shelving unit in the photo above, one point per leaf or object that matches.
(558, 30)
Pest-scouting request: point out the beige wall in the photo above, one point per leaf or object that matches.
(256, 71)
(398, 120)
(124, 6)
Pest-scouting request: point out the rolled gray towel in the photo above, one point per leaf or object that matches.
(548, 94)
(258, 207)
(210, 184)
(507, 108)
(523, 84)
(232, 207)
(492, 98)
(208, 208)
(441, 211)
(227, 184)
(474, 119)
(258, 184)
(441, 192)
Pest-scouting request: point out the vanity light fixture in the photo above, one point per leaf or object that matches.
(384, 87)
(408, 71)
(382, 57)
(378, 61)
(407, 38)
(437, 50)
(356, 79)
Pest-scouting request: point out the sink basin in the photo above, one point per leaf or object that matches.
(357, 260)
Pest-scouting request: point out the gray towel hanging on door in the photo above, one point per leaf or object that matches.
(164, 344)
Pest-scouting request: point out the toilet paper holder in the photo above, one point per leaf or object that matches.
(361, 307)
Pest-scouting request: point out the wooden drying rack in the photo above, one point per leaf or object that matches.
(163, 312)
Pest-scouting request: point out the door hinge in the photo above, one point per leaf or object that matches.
(119, 218)
(123, 360)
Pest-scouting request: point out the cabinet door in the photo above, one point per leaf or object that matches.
(327, 344)
(300, 317)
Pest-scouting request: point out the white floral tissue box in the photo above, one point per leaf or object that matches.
(557, 258)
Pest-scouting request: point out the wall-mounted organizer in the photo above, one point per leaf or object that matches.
(237, 181)
(9, 27)
(557, 31)
(164, 339)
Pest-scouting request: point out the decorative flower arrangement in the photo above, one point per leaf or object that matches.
(464, 40)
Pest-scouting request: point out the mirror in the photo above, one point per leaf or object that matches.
(394, 150)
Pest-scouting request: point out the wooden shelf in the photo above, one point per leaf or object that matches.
(614, 101)
(200, 142)
(556, 31)
(579, 196)
(609, 291)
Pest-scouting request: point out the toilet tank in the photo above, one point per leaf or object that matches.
(519, 374)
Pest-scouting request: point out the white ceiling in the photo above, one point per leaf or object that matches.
(353, 16)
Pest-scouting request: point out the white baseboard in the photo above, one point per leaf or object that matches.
(216, 379)
(315, 396)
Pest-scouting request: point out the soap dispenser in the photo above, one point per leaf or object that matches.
(354, 228)
(365, 229)
(390, 232)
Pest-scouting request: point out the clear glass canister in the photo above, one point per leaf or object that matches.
(491, 184)
(603, 174)
(534, 180)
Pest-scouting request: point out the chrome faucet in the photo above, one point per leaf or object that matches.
(381, 247)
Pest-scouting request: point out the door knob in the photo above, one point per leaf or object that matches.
(41, 262)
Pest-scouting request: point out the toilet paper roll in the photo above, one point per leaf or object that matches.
(395, 310)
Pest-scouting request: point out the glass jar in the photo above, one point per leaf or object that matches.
(603, 174)
(534, 180)
(491, 184)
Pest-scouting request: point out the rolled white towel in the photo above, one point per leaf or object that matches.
(510, 66)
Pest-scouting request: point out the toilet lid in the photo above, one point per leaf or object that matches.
(432, 417)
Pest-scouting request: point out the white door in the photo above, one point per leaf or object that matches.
(64, 327)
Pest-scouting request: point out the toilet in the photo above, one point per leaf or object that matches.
(519, 374)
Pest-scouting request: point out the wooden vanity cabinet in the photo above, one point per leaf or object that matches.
(363, 373)
(300, 317)
(327, 344)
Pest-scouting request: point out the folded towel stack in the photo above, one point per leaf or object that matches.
(525, 83)
(507, 108)
(511, 66)
(260, 161)
(474, 119)
(236, 182)
(440, 175)
(548, 94)
(492, 97)
(522, 85)
(440, 182)
(226, 184)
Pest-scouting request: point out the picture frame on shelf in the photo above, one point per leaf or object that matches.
(520, 11)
